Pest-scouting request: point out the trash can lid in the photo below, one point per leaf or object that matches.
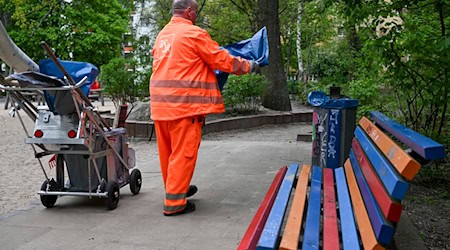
(317, 98)
(340, 103)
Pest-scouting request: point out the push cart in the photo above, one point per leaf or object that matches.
(97, 157)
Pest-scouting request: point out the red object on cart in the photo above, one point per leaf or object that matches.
(95, 85)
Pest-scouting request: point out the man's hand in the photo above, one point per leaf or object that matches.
(254, 67)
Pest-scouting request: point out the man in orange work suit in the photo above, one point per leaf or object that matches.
(183, 89)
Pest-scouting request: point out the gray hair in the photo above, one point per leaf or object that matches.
(181, 5)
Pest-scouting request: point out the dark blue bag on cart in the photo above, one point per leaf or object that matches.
(59, 101)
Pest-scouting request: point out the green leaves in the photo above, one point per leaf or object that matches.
(226, 22)
(118, 80)
(242, 94)
(405, 46)
(90, 31)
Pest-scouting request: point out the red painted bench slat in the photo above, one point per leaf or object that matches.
(330, 225)
(390, 208)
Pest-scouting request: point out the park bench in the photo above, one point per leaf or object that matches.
(97, 95)
(34, 96)
(354, 206)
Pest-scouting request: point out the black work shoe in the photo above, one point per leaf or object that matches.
(190, 207)
(191, 191)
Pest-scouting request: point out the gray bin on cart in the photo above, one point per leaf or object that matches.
(333, 125)
(77, 165)
(79, 172)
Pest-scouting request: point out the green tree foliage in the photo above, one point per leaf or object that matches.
(334, 64)
(118, 78)
(229, 21)
(329, 60)
(321, 21)
(368, 93)
(82, 30)
(394, 57)
(321, 45)
(288, 17)
(242, 94)
(226, 21)
(162, 13)
(405, 47)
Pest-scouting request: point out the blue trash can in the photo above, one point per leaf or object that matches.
(334, 121)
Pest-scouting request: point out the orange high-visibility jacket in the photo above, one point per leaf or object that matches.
(183, 82)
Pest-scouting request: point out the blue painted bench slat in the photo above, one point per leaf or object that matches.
(312, 227)
(424, 146)
(394, 183)
(384, 231)
(269, 237)
(348, 227)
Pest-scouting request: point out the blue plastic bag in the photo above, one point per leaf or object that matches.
(255, 48)
(77, 70)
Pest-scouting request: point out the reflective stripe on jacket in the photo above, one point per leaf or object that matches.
(183, 82)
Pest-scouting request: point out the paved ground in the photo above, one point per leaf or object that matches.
(234, 170)
(233, 174)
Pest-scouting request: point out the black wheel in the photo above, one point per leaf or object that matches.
(113, 195)
(47, 200)
(135, 181)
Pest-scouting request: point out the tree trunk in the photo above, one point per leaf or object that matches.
(288, 52)
(300, 73)
(353, 39)
(277, 95)
(446, 86)
(5, 18)
(307, 75)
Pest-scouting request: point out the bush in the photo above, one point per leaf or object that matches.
(117, 80)
(293, 86)
(142, 84)
(367, 93)
(243, 94)
(122, 83)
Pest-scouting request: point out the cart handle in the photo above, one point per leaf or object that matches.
(70, 87)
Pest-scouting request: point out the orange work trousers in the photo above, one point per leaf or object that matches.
(178, 143)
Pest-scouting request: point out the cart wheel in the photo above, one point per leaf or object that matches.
(113, 195)
(47, 200)
(135, 181)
